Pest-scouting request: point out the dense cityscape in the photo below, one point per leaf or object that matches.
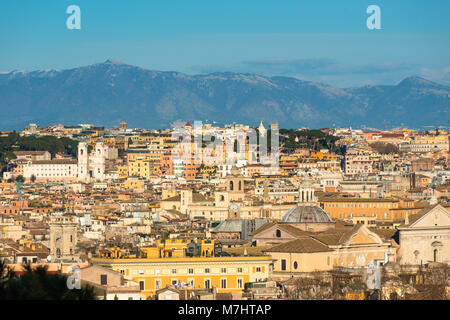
(224, 159)
(233, 212)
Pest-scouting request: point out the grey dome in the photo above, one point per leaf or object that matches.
(306, 214)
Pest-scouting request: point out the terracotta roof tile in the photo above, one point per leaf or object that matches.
(301, 245)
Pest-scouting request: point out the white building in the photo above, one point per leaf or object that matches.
(91, 166)
(53, 170)
(178, 167)
(425, 237)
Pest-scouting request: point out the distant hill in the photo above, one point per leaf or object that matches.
(107, 93)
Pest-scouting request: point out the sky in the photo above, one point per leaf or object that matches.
(320, 40)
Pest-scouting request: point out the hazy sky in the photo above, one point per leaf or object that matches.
(322, 40)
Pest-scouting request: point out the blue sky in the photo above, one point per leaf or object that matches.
(321, 40)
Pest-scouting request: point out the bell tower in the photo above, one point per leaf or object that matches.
(63, 237)
(83, 161)
(98, 161)
(235, 185)
(306, 194)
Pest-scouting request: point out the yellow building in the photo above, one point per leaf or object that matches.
(168, 193)
(206, 171)
(226, 274)
(288, 164)
(323, 156)
(122, 172)
(135, 184)
(178, 248)
(143, 164)
(140, 166)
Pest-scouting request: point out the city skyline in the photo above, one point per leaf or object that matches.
(232, 157)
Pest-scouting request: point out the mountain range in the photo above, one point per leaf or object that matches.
(109, 92)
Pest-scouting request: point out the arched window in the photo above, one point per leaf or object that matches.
(58, 252)
(222, 198)
(435, 255)
(240, 185)
(278, 233)
(231, 186)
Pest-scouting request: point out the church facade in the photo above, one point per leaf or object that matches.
(425, 237)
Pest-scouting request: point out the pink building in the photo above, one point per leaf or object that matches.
(357, 163)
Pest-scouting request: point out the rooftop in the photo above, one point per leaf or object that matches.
(306, 214)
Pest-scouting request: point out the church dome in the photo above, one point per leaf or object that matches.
(306, 214)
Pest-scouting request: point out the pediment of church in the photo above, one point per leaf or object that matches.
(364, 236)
(435, 217)
(277, 232)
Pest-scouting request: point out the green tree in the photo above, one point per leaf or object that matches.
(38, 284)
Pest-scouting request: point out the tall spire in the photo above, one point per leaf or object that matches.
(261, 129)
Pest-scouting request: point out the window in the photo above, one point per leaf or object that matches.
(207, 284)
(240, 283)
(157, 284)
(207, 270)
(174, 271)
(191, 271)
(258, 269)
(223, 283)
(295, 265)
(278, 233)
(103, 279)
(141, 285)
(239, 270)
(223, 270)
(283, 264)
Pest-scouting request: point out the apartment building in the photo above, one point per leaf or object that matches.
(226, 274)
(357, 163)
